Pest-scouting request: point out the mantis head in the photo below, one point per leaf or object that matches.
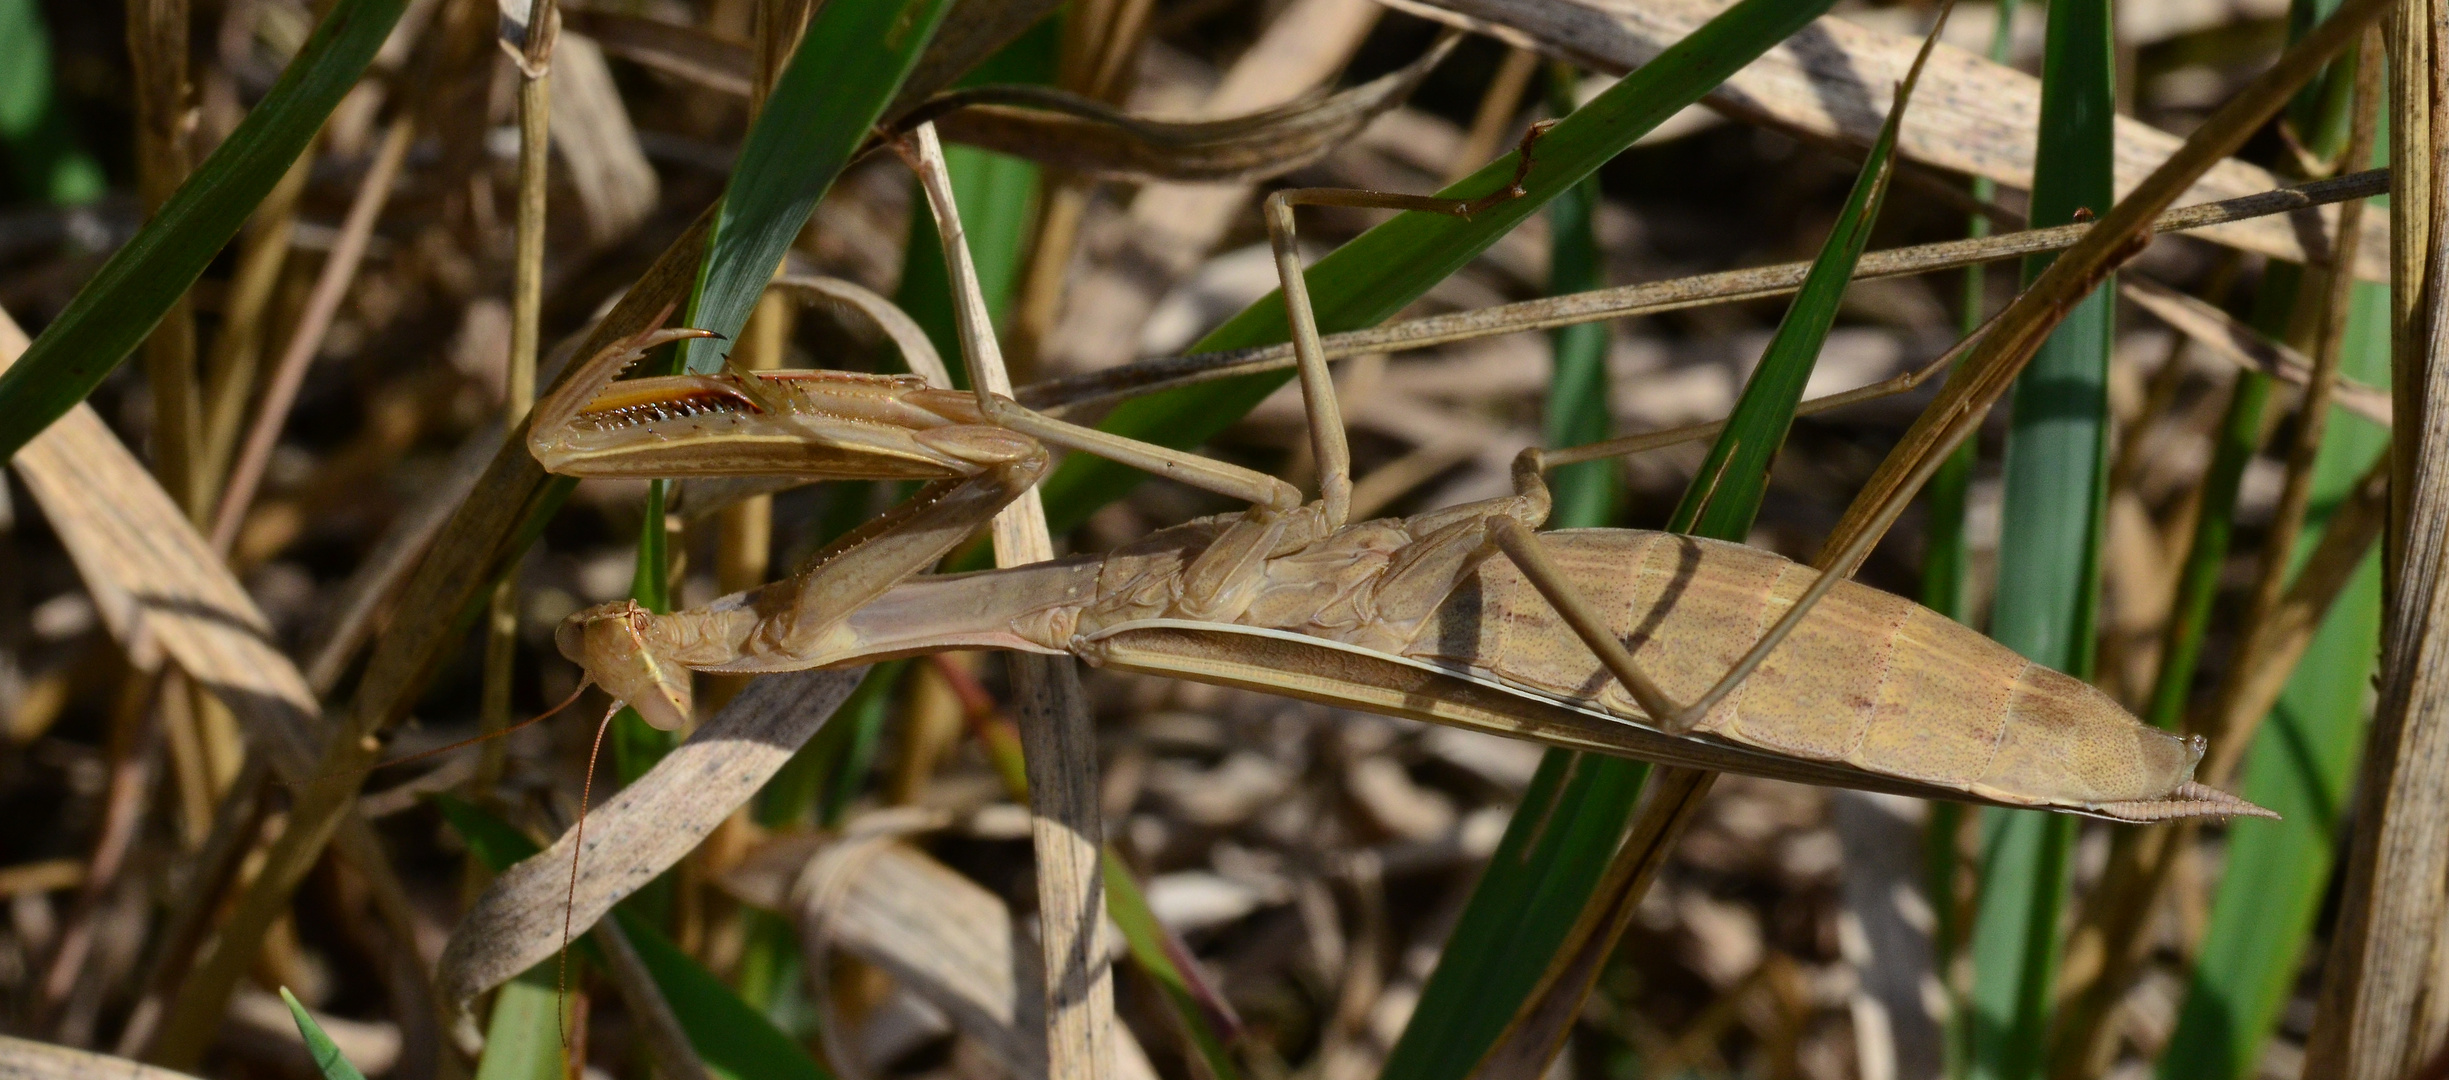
(609, 640)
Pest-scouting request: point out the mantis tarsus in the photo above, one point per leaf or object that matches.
(1643, 644)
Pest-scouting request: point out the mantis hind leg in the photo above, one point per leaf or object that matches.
(1327, 443)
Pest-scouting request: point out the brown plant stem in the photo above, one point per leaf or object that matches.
(2142, 869)
(331, 287)
(2382, 1012)
(1649, 298)
(535, 62)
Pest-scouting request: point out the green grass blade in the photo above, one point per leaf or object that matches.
(1577, 407)
(1552, 856)
(2237, 439)
(1563, 836)
(997, 195)
(2302, 765)
(40, 146)
(328, 1059)
(846, 70)
(736, 1040)
(848, 66)
(1726, 495)
(2049, 549)
(523, 1033)
(1128, 907)
(122, 302)
(1947, 560)
(1372, 277)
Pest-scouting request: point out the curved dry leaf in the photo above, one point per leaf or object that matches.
(598, 145)
(1054, 127)
(941, 936)
(158, 586)
(973, 30)
(1832, 81)
(917, 349)
(679, 50)
(2246, 347)
(25, 1059)
(638, 833)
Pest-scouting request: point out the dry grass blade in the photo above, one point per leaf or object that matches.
(681, 51)
(371, 588)
(1058, 737)
(152, 578)
(1089, 137)
(615, 185)
(2118, 236)
(331, 287)
(160, 588)
(30, 1060)
(940, 935)
(917, 349)
(970, 32)
(1650, 298)
(638, 833)
(2383, 1009)
(442, 596)
(1830, 81)
(2241, 345)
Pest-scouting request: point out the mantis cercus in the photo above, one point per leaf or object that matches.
(1649, 645)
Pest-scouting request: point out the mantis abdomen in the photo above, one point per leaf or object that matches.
(1868, 679)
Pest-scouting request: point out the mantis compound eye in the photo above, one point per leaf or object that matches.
(608, 642)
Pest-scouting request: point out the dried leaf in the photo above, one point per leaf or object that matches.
(2246, 347)
(1055, 127)
(682, 51)
(591, 129)
(1832, 81)
(30, 1060)
(638, 833)
(942, 937)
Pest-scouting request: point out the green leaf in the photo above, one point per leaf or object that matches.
(327, 1056)
(847, 68)
(122, 302)
(1563, 836)
(1552, 856)
(736, 1040)
(523, 1033)
(2048, 560)
(1947, 589)
(1578, 412)
(2237, 439)
(40, 145)
(1389, 266)
(1150, 949)
(997, 195)
(2302, 765)
(998, 199)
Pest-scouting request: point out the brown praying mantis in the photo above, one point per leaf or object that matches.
(1650, 645)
